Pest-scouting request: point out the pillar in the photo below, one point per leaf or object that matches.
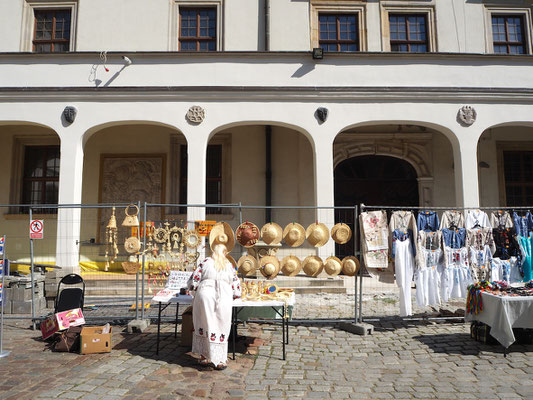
(70, 190)
(466, 169)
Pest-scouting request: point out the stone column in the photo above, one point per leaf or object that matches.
(466, 169)
(70, 190)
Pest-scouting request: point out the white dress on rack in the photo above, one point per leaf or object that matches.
(456, 276)
(212, 307)
(427, 278)
(404, 267)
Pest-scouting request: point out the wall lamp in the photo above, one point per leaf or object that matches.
(127, 60)
(318, 53)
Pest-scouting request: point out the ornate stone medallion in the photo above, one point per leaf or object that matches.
(467, 115)
(196, 114)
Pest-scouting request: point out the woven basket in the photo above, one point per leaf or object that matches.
(131, 267)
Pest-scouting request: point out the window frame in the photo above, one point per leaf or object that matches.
(409, 8)
(20, 142)
(525, 13)
(333, 7)
(29, 23)
(339, 42)
(45, 179)
(501, 148)
(410, 42)
(53, 41)
(173, 43)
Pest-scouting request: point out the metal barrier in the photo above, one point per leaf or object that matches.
(380, 299)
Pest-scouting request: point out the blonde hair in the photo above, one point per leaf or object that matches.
(219, 257)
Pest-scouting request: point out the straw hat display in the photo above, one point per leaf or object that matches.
(317, 234)
(333, 266)
(269, 267)
(341, 233)
(350, 265)
(291, 265)
(294, 234)
(313, 266)
(271, 233)
(247, 265)
(232, 261)
(222, 234)
(247, 234)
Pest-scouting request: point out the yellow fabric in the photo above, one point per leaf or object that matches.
(91, 266)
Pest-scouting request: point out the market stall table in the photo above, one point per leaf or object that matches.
(279, 306)
(502, 314)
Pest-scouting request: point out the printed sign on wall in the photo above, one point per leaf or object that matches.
(36, 229)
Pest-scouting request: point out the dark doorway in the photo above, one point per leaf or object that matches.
(372, 180)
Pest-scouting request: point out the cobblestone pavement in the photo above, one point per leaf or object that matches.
(401, 360)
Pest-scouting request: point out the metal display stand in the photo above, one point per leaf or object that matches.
(3, 353)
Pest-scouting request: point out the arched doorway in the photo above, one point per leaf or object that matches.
(372, 180)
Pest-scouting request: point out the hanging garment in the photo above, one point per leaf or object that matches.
(477, 219)
(479, 238)
(456, 276)
(375, 239)
(212, 308)
(505, 270)
(427, 278)
(402, 235)
(501, 219)
(403, 220)
(452, 219)
(506, 243)
(454, 238)
(527, 262)
(404, 265)
(480, 263)
(427, 221)
(426, 241)
(523, 224)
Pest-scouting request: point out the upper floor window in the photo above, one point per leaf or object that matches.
(338, 32)
(408, 33)
(198, 29)
(51, 32)
(41, 175)
(508, 34)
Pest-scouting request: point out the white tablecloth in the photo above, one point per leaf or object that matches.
(503, 313)
(187, 299)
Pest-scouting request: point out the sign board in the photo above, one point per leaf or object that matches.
(204, 227)
(36, 229)
(178, 280)
(2, 242)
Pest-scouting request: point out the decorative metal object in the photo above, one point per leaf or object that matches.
(111, 240)
(132, 245)
(196, 114)
(322, 114)
(70, 114)
(467, 115)
(131, 219)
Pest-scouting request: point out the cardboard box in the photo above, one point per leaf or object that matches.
(61, 321)
(186, 327)
(92, 340)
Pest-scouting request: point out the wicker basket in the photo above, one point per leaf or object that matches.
(131, 267)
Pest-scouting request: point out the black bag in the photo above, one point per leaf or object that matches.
(68, 340)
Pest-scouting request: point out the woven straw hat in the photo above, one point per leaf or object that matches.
(294, 234)
(247, 265)
(333, 266)
(247, 234)
(341, 233)
(271, 233)
(350, 265)
(317, 234)
(232, 261)
(313, 265)
(222, 234)
(269, 267)
(291, 265)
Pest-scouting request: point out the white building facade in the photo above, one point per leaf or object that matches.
(420, 103)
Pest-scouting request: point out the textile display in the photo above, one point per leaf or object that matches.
(375, 239)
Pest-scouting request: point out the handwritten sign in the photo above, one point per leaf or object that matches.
(178, 280)
(204, 227)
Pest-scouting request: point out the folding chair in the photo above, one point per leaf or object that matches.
(70, 298)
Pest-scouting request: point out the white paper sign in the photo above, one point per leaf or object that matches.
(178, 280)
(165, 295)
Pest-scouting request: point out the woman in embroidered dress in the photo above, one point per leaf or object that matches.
(215, 285)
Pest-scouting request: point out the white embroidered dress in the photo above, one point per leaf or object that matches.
(212, 307)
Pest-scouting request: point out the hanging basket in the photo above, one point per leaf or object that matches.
(131, 267)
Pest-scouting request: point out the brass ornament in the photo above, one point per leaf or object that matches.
(131, 219)
(132, 245)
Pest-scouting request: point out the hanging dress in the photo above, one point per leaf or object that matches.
(212, 308)
(428, 268)
(457, 276)
(404, 267)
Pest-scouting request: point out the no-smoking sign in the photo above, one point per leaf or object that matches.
(36, 229)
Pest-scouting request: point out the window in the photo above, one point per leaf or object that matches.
(338, 32)
(408, 33)
(518, 175)
(51, 31)
(197, 29)
(41, 176)
(213, 184)
(508, 34)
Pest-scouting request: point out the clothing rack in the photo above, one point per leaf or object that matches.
(429, 208)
